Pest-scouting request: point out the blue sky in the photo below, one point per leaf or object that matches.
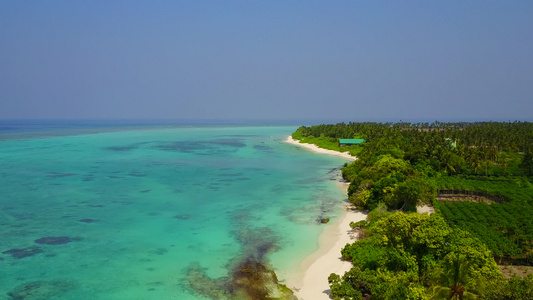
(262, 60)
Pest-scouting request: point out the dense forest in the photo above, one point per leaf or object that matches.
(477, 176)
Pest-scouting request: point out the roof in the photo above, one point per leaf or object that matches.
(351, 141)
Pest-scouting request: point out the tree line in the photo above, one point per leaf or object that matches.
(402, 165)
(413, 256)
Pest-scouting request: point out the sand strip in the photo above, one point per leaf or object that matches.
(310, 282)
(316, 149)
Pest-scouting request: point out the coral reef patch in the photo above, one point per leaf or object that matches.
(41, 290)
(250, 278)
(56, 240)
(182, 217)
(24, 252)
(87, 220)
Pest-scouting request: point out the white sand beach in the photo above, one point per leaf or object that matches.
(310, 282)
(316, 149)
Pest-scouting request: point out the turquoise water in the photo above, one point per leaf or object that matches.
(131, 211)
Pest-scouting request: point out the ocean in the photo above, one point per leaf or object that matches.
(109, 212)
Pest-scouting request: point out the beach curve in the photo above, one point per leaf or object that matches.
(316, 149)
(310, 281)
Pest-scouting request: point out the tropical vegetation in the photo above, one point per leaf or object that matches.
(477, 176)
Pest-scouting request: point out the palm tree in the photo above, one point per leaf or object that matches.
(456, 270)
(455, 275)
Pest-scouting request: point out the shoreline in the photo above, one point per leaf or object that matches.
(316, 149)
(310, 281)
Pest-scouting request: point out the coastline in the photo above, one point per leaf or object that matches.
(310, 281)
(316, 149)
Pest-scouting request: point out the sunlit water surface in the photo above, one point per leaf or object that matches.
(127, 213)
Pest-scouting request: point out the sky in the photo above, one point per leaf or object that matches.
(267, 60)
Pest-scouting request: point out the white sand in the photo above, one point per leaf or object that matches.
(310, 282)
(425, 209)
(316, 149)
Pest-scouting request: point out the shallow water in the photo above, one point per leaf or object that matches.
(133, 210)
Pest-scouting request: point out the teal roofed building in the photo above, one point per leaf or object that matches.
(348, 142)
